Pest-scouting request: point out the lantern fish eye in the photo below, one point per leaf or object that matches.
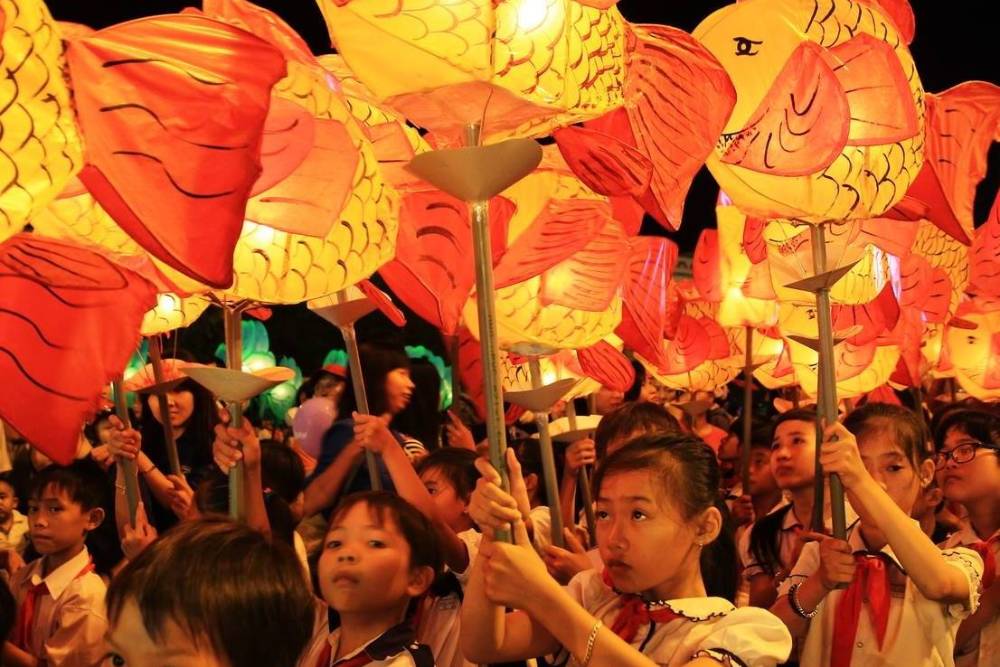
(746, 46)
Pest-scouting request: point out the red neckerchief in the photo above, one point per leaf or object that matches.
(985, 549)
(635, 613)
(26, 613)
(870, 584)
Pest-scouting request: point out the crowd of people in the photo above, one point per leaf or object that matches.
(453, 562)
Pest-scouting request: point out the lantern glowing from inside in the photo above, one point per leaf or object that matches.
(531, 64)
(172, 312)
(40, 145)
(780, 158)
(974, 354)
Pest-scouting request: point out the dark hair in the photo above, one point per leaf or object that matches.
(908, 431)
(83, 482)
(308, 388)
(425, 551)
(979, 424)
(211, 497)
(195, 445)
(632, 393)
(457, 465)
(422, 418)
(225, 583)
(8, 611)
(629, 418)
(8, 479)
(689, 473)
(282, 470)
(90, 429)
(376, 363)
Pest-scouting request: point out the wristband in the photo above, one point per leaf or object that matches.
(793, 601)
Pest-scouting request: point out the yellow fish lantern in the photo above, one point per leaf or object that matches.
(172, 312)
(40, 148)
(507, 63)
(972, 350)
(558, 282)
(745, 293)
(600, 365)
(828, 123)
(322, 218)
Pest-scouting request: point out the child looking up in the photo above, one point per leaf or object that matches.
(60, 619)
(379, 555)
(916, 595)
(658, 526)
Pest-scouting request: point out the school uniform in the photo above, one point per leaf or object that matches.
(742, 538)
(678, 631)
(61, 618)
(439, 615)
(16, 537)
(396, 647)
(984, 649)
(894, 624)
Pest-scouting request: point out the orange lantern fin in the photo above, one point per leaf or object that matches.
(288, 137)
(706, 266)
(984, 265)
(877, 90)
(802, 123)
(681, 98)
(563, 228)
(69, 320)
(688, 348)
(470, 370)
(753, 239)
(938, 300)
(383, 303)
(603, 163)
(173, 108)
(895, 237)
(265, 24)
(589, 278)
(598, 4)
(718, 341)
(644, 295)
(604, 363)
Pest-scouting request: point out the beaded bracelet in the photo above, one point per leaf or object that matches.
(591, 640)
(793, 600)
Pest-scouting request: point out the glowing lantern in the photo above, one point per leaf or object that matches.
(172, 312)
(779, 157)
(515, 65)
(40, 145)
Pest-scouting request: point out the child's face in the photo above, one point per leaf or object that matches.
(762, 482)
(449, 505)
(793, 452)
(973, 480)
(642, 538)
(104, 431)
(8, 500)
(58, 523)
(365, 567)
(607, 399)
(130, 646)
(180, 404)
(398, 389)
(888, 465)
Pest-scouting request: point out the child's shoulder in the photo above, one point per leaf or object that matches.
(747, 635)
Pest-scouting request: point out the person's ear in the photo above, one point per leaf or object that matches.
(708, 526)
(531, 483)
(95, 518)
(421, 579)
(926, 473)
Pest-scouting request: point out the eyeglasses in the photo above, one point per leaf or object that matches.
(963, 453)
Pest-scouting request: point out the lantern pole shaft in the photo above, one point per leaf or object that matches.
(156, 359)
(127, 468)
(488, 340)
(583, 481)
(548, 458)
(747, 410)
(360, 393)
(827, 395)
(233, 324)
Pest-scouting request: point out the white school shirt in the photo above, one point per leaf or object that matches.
(541, 523)
(440, 624)
(921, 632)
(70, 621)
(393, 648)
(710, 626)
(982, 650)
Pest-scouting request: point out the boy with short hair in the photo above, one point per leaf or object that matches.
(13, 524)
(60, 618)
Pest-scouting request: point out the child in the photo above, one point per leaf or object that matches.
(210, 593)
(60, 598)
(380, 554)
(968, 467)
(13, 524)
(658, 526)
(916, 594)
(763, 496)
(771, 546)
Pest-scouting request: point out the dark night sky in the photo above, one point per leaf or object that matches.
(954, 42)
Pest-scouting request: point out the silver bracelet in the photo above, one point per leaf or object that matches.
(793, 600)
(591, 640)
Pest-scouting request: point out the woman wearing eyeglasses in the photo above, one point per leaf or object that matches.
(968, 471)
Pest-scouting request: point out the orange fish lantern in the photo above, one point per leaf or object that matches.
(519, 66)
(828, 121)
